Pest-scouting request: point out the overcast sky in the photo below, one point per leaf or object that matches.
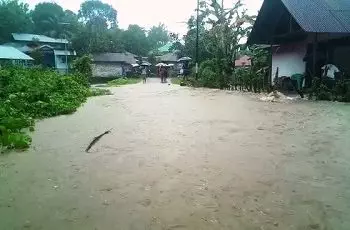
(146, 14)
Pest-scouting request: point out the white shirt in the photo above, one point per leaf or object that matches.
(332, 69)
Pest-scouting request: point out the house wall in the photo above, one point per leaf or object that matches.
(107, 69)
(341, 58)
(289, 59)
(61, 63)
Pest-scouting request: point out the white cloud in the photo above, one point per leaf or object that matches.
(151, 12)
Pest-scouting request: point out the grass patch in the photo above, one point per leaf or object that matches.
(93, 92)
(124, 81)
(176, 81)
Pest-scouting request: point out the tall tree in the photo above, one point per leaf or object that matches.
(135, 40)
(95, 12)
(158, 36)
(14, 18)
(48, 19)
(221, 33)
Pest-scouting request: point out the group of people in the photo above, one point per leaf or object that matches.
(163, 74)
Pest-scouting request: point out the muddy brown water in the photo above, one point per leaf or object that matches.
(181, 158)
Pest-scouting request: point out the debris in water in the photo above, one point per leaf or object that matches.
(106, 203)
(96, 139)
(275, 96)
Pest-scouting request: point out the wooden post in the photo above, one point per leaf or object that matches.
(270, 61)
(314, 55)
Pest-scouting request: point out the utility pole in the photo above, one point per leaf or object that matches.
(65, 45)
(66, 48)
(197, 41)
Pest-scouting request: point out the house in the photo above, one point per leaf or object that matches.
(168, 58)
(244, 61)
(166, 48)
(112, 64)
(10, 55)
(304, 35)
(52, 52)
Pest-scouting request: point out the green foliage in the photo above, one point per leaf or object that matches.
(342, 91)
(135, 40)
(176, 81)
(83, 69)
(319, 90)
(27, 94)
(221, 31)
(38, 57)
(208, 74)
(93, 92)
(322, 90)
(93, 30)
(14, 18)
(97, 13)
(124, 81)
(47, 17)
(158, 36)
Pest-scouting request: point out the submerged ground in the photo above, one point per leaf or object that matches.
(182, 158)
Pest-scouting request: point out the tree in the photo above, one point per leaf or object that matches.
(47, 18)
(14, 18)
(221, 31)
(158, 36)
(190, 39)
(95, 12)
(135, 40)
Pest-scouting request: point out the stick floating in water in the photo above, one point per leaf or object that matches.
(96, 139)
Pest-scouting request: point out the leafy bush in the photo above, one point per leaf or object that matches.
(207, 73)
(27, 94)
(322, 90)
(342, 91)
(83, 69)
(176, 80)
(124, 81)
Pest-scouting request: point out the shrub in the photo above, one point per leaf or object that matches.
(27, 94)
(83, 69)
(93, 92)
(342, 91)
(124, 81)
(208, 76)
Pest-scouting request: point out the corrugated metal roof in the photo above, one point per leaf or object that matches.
(20, 47)
(40, 38)
(10, 53)
(170, 57)
(115, 57)
(315, 16)
(166, 47)
(321, 16)
(64, 53)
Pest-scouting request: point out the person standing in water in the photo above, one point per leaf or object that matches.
(144, 75)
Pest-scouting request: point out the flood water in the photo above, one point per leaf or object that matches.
(182, 158)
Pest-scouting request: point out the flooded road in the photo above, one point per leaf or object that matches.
(181, 158)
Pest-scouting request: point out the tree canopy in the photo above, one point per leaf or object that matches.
(158, 36)
(95, 12)
(14, 17)
(93, 29)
